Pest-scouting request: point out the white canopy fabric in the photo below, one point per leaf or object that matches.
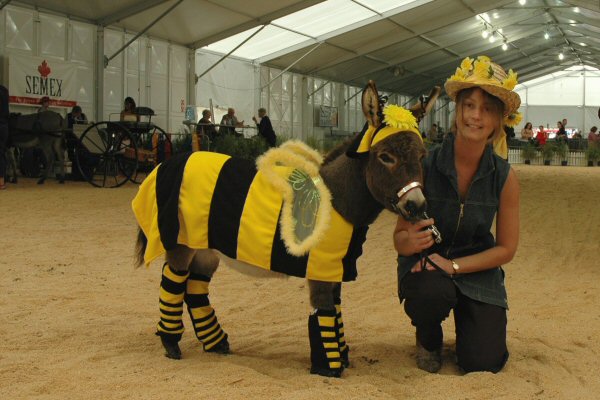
(405, 46)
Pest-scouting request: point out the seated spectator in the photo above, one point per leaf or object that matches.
(265, 129)
(44, 104)
(128, 113)
(206, 127)
(527, 132)
(542, 136)
(229, 122)
(76, 116)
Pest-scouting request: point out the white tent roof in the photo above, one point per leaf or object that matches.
(405, 46)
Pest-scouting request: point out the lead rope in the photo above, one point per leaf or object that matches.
(424, 259)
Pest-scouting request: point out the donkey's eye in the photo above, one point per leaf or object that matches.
(386, 158)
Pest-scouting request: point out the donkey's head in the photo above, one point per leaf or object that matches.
(395, 150)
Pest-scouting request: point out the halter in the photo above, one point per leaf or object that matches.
(408, 188)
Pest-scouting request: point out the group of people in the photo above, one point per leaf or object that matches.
(541, 137)
(229, 122)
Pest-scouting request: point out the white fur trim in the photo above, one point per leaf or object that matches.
(296, 154)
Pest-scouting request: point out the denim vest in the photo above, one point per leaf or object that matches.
(465, 226)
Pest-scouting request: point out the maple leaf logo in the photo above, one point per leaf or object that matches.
(44, 69)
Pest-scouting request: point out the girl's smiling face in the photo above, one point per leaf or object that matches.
(478, 115)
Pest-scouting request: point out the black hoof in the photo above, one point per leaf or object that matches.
(220, 348)
(171, 348)
(330, 373)
(41, 181)
(61, 180)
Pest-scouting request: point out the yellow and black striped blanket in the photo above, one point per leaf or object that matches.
(210, 200)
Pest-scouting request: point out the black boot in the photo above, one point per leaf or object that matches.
(325, 354)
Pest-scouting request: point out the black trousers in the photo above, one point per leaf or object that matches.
(3, 148)
(480, 327)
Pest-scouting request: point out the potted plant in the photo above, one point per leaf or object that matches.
(548, 153)
(562, 150)
(528, 152)
(593, 154)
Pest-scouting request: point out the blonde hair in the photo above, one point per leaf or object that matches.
(497, 104)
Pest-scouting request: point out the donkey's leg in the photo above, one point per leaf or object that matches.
(339, 324)
(203, 317)
(172, 290)
(59, 153)
(49, 161)
(325, 354)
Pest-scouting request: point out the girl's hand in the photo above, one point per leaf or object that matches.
(443, 263)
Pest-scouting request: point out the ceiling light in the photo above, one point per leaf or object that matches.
(504, 46)
(561, 56)
(576, 9)
(546, 35)
(496, 16)
(582, 44)
(486, 17)
(492, 38)
(500, 30)
(572, 21)
(485, 34)
(522, 2)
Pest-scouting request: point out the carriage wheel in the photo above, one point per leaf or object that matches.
(106, 154)
(154, 147)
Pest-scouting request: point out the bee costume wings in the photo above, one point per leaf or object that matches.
(277, 216)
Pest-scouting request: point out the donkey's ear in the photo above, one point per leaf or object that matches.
(370, 104)
(425, 103)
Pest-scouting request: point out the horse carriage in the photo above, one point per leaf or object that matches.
(105, 153)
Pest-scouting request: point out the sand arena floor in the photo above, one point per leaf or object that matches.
(77, 321)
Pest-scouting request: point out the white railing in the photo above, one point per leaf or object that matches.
(575, 158)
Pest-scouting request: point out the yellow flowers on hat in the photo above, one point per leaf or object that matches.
(490, 77)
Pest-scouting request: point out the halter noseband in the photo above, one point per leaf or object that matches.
(408, 188)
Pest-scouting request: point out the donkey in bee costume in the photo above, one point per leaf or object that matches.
(292, 213)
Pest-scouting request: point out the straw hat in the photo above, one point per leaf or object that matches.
(490, 77)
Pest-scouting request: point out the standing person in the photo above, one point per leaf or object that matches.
(527, 131)
(542, 136)
(561, 134)
(593, 137)
(432, 134)
(265, 129)
(128, 113)
(466, 186)
(4, 113)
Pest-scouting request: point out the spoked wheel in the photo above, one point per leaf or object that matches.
(153, 147)
(106, 154)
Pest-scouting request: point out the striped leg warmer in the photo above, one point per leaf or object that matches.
(324, 344)
(339, 324)
(172, 290)
(205, 322)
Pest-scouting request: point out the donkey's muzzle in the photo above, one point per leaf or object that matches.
(411, 203)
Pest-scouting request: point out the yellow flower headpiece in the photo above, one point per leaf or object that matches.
(485, 74)
(397, 120)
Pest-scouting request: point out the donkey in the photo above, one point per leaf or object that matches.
(198, 218)
(44, 130)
